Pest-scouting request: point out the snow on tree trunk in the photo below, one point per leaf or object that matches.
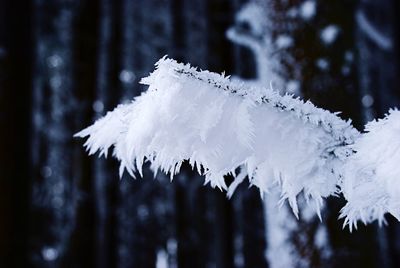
(253, 30)
(321, 61)
(298, 243)
(55, 193)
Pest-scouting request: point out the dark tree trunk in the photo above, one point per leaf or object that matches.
(105, 172)
(15, 94)
(377, 35)
(144, 206)
(54, 186)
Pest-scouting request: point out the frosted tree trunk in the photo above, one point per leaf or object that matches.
(326, 74)
(290, 243)
(329, 79)
(54, 195)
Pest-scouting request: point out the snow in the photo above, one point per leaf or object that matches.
(293, 87)
(49, 254)
(308, 9)
(239, 260)
(367, 100)
(56, 81)
(162, 259)
(258, 39)
(57, 202)
(348, 60)
(322, 64)
(280, 223)
(172, 248)
(98, 106)
(218, 126)
(321, 238)
(372, 174)
(252, 14)
(329, 34)
(279, 227)
(284, 41)
(127, 76)
(375, 35)
(54, 61)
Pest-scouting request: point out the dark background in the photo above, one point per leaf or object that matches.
(64, 63)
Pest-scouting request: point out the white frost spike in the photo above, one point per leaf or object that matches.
(219, 125)
(106, 131)
(372, 175)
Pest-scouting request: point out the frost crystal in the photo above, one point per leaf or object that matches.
(218, 125)
(372, 174)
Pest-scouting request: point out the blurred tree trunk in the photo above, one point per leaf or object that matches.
(104, 173)
(377, 33)
(201, 232)
(298, 243)
(329, 79)
(378, 61)
(54, 186)
(326, 74)
(145, 205)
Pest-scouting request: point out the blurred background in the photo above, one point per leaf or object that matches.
(64, 63)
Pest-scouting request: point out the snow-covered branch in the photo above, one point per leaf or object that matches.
(372, 175)
(219, 125)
